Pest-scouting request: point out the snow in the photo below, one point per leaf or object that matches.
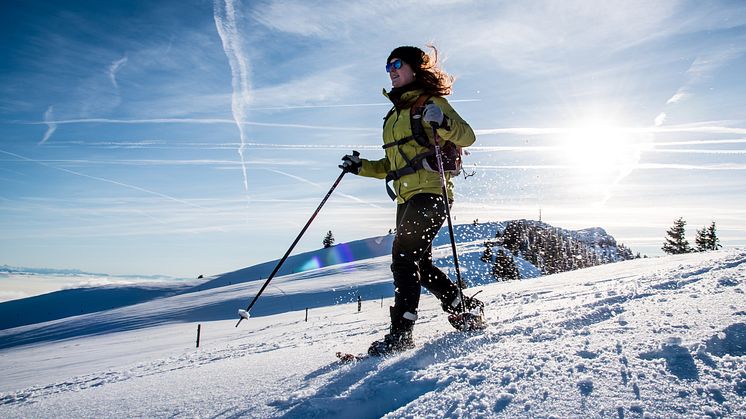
(657, 337)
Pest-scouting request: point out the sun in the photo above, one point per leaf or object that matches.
(597, 147)
(601, 152)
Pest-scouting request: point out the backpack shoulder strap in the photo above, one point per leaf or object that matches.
(420, 103)
(415, 120)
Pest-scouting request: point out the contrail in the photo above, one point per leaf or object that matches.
(690, 128)
(193, 121)
(343, 105)
(114, 69)
(225, 22)
(300, 179)
(51, 125)
(114, 182)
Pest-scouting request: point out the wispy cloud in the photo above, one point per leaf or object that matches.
(704, 127)
(179, 162)
(321, 19)
(308, 182)
(523, 131)
(700, 71)
(164, 145)
(639, 166)
(298, 178)
(708, 167)
(709, 127)
(679, 96)
(114, 69)
(660, 119)
(101, 179)
(530, 36)
(51, 124)
(225, 21)
(701, 142)
(197, 121)
(697, 151)
(319, 89)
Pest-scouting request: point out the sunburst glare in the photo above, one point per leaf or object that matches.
(602, 153)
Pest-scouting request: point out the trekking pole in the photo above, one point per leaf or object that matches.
(244, 314)
(459, 281)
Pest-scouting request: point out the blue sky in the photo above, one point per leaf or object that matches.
(120, 139)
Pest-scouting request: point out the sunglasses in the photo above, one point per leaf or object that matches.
(394, 64)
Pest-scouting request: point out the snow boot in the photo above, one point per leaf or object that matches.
(399, 338)
(471, 319)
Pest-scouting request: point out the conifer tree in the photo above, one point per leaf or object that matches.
(707, 239)
(701, 240)
(676, 242)
(504, 267)
(328, 239)
(487, 254)
(712, 238)
(511, 239)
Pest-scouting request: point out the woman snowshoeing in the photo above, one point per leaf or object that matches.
(418, 87)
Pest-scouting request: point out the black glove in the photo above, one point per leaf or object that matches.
(351, 163)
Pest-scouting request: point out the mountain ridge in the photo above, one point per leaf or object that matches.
(86, 300)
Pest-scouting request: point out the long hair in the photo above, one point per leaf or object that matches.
(434, 80)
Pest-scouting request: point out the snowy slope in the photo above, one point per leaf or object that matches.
(661, 337)
(102, 292)
(91, 299)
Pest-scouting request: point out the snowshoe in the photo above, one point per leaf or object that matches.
(467, 321)
(346, 358)
(471, 319)
(471, 305)
(399, 337)
(391, 344)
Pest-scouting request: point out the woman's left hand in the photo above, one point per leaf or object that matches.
(433, 115)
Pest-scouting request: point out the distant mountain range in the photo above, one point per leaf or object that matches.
(19, 270)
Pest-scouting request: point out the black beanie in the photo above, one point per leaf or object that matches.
(410, 55)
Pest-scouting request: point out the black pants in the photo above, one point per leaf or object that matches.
(418, 222)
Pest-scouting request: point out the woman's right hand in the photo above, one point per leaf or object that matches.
(351, 163)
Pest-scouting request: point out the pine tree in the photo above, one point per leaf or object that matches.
(487, 254)
(676, 242)
(504, 267)
(329, 239)
(712, 238)
(701, 241)
(511, 238)
(707, 239)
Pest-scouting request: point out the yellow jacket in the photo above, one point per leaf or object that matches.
(396, 127)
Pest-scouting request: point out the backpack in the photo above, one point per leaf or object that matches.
(450, 153)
